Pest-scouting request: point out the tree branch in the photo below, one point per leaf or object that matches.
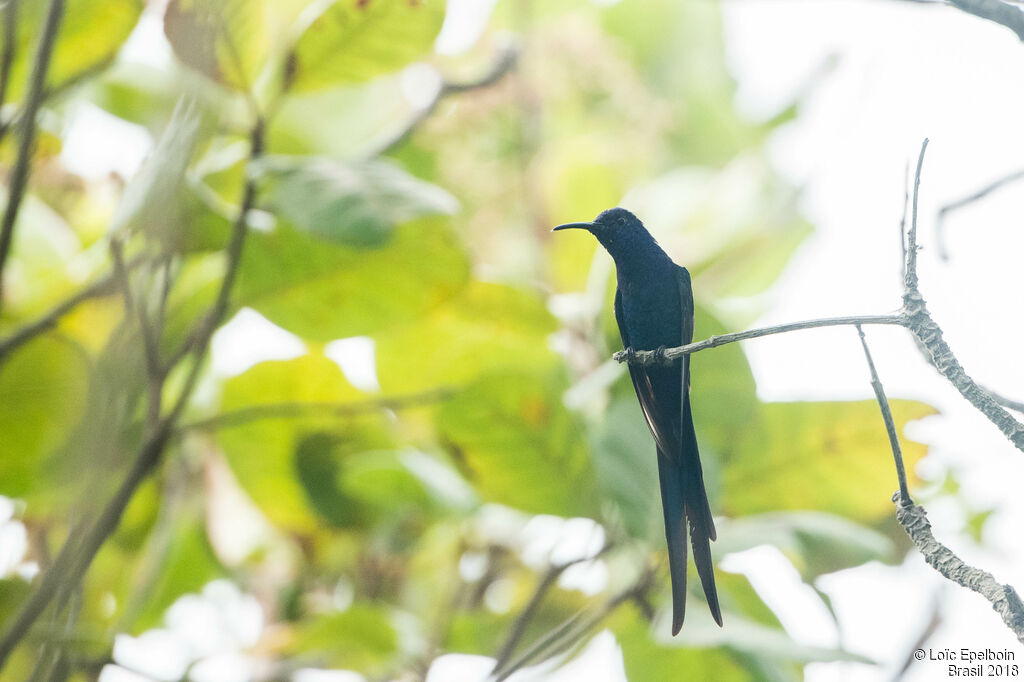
(10, 14)
(994, 10)
(305, 409)
(33, 98)
(646, 357)
(890, 424)
(133, 308)
(77, 554)
(574, 628)
(940, 221)
(1004, 598)
(504, 64)
(547, 581)
(104, 286)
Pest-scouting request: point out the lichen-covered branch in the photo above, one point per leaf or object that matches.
(1004, 598)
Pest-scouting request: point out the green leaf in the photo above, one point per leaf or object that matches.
(291, 465)
(350, 41)
(371, 114)
(485, 328)
(322, 291)
(826, 456)
(225, 40)
(351, 484)
(815, 542)
(724, 396)
(647, 659)
(43, 386)
(519, 445)
(626, 467)
(90, 35)
(185, 565)
(351, 204)
(361, 638)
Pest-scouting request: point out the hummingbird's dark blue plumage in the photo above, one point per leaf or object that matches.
(654, 308)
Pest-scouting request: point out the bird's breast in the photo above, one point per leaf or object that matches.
(652, 311)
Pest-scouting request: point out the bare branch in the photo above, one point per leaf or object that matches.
(104, 286)
(306, 409)
(1004, 598)
(1009, 16)
(574, 628)
(1016, 405)
(547, 581)
(890, 423)
(910, 267)
(33, 98)
(133, 307)
(940, 221)
(646, 357)
(10, 28)
(504, 64)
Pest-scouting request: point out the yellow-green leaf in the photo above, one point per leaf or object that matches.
(90, 35)
(350, 41)
(323, 291)
(824, 456)
(520, 446)
(225, 40)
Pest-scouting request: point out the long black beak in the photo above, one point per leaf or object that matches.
(573, 226)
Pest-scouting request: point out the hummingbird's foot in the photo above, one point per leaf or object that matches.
(658, 356)
(630, 356)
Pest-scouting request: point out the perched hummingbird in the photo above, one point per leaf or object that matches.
(654, 309)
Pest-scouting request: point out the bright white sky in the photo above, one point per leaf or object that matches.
(899, 71)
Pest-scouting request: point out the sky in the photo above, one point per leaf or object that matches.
(873, 78)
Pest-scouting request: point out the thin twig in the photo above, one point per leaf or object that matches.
(940, 220)
(504, 64)
(903, 223)
(910, 270)
(33, 98)
(155, 373)
(288, 410)
(547, 581)
(105, 286)
(890, 423)
(646, 357)
(75, 557)
(1004, 598)
(574, 628)
(134, 308)
(10, 12)
(524, 617)
(1016, 405)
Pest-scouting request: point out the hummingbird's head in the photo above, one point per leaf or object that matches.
(617, 229)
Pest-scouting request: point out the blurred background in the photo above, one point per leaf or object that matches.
(407, 454)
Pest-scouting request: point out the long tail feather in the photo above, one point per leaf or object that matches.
(673, 506)
(698, 511)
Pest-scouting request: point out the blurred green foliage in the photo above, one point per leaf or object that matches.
(491, 339)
